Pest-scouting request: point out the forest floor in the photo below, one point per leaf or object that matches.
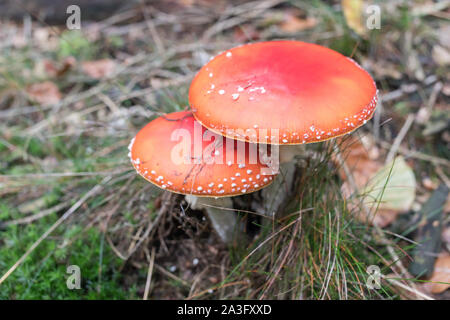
(71, 100)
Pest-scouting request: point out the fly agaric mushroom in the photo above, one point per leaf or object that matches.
(176, 153)
(158, 155)
(282, 93)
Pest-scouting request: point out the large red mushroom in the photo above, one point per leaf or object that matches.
(169, 153)
(282, 92)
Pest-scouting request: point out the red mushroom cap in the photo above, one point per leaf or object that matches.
(158, 154)
(299, 92)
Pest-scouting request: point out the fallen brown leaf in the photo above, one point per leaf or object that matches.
(441, 274)
(360, 158)
(447, 205)
(446, 236)
(353, 12)
(370, 176)
(382, 218)
(362, 166)
(55, 70)
(429, 184)
(441, 55)
(99, 69)
(293, 23)
(44, 93)
(246, 32)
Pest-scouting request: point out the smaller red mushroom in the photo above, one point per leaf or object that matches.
(176, 153)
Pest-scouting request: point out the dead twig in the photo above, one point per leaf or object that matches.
(37, 216)
(149, 273)
(166, 201)
(398, 140)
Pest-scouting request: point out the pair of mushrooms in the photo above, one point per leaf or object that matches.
(245, 103)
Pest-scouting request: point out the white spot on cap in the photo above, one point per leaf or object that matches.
(131, 144)
(228, 54)
(235, 96)
(221, 91)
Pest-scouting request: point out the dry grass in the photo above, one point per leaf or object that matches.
(65, 164)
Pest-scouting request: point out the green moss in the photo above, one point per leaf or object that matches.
(43, 274)
(74, 43)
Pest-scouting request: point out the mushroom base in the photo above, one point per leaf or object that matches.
(225, 222)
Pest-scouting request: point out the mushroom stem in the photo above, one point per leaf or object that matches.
(225, 222)
(289, 152)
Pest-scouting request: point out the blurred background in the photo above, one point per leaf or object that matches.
(78, 82)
